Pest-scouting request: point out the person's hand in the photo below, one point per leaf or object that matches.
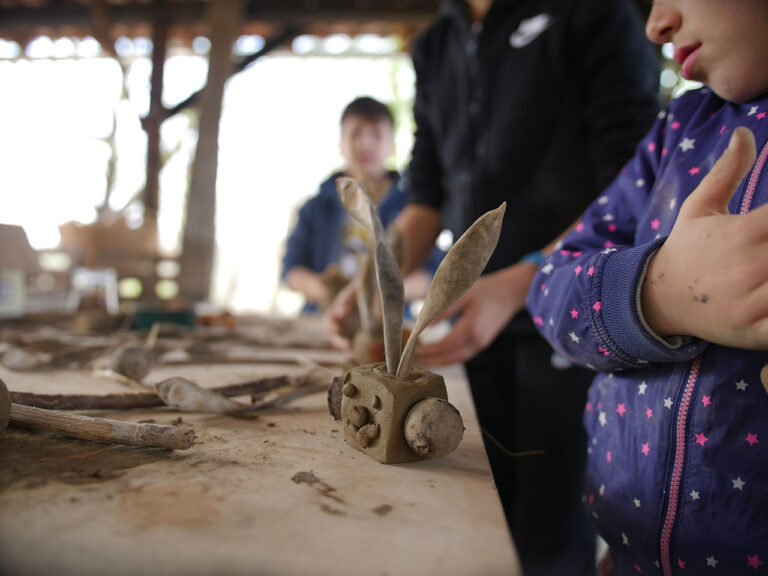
(710, 278)
(340, 317)
(483, 312)
(764, 377)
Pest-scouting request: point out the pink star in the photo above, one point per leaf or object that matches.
(754, 562)
(608, 244)
(564, 252)
(681, 563)
(760, 116)
(621, 409)
(675, 125)
(543, 287)
(611, 227)
(580, 227)
(664, 152)
(638, 569)
(609, 457)
(651, 146)
(574, 313)
(752, 439)
(591, 498)
(603, 351)
(597, 306)
(646, 448)
(722, 129)
(576, 254)
(693, 171)
(588, 407)
(577, 270)
(591, 271)
(538, 320)
(706, 400)
(649, 413)
(655, 223)
(701, 439)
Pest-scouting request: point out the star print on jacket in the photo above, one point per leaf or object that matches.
(677, 478)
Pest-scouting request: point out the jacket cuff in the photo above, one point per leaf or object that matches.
(621, 282)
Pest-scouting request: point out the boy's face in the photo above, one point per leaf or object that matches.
(366, 144)
(721, 43)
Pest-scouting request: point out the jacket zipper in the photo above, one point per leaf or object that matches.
(749, 193)
(680, 439)
(681, 419)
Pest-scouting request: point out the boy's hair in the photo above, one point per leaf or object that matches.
(368, 108)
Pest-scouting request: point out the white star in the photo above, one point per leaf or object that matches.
(551, 321)
(624, 539)
(639, 182)
(673, 204)
(657, 564)
(609, 250)
(661, 114)
(602, 419)
(641, 388)
(741, 386)
(602, 489)
(752, 111)
(547, 268)
(694, 495)
(546, 292)
(594, 515)
(712, 561)
(739, 484)
(574, 338)
(602, 200)
(636, 502)
(609, 217)
(687, 144)
(589, 450)
(668, 403)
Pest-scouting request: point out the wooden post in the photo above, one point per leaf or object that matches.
(200, 233)
(154, 119)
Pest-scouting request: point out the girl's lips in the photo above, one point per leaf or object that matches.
(686, 57)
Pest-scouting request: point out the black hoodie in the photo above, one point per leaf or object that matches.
(539, 107)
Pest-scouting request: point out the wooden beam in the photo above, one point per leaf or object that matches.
(279, 11)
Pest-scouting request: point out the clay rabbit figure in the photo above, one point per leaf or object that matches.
(395, 411)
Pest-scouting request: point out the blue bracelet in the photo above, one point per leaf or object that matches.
(536, 257)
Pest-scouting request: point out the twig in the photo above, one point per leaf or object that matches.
(102, 429)
(508, 452)
(139, 400)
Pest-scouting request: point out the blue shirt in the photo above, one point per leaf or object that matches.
(316, 240)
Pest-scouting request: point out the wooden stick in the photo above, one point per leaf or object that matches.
(102, 429)
(140, 400)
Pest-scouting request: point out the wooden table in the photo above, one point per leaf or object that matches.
(282, 494)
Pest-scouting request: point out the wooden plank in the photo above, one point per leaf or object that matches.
(280, 494)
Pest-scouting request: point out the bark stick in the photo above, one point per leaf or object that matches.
(102, 429)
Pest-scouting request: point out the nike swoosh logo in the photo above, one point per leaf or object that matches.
(529, 30)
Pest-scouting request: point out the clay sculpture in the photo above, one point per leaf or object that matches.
(393, 411)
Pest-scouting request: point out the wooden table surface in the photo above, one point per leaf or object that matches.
(280, 494)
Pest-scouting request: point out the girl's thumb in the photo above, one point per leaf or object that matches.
(717, 187)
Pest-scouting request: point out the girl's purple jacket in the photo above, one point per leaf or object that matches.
(677, 478)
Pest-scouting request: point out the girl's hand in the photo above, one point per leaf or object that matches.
(710, 278)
